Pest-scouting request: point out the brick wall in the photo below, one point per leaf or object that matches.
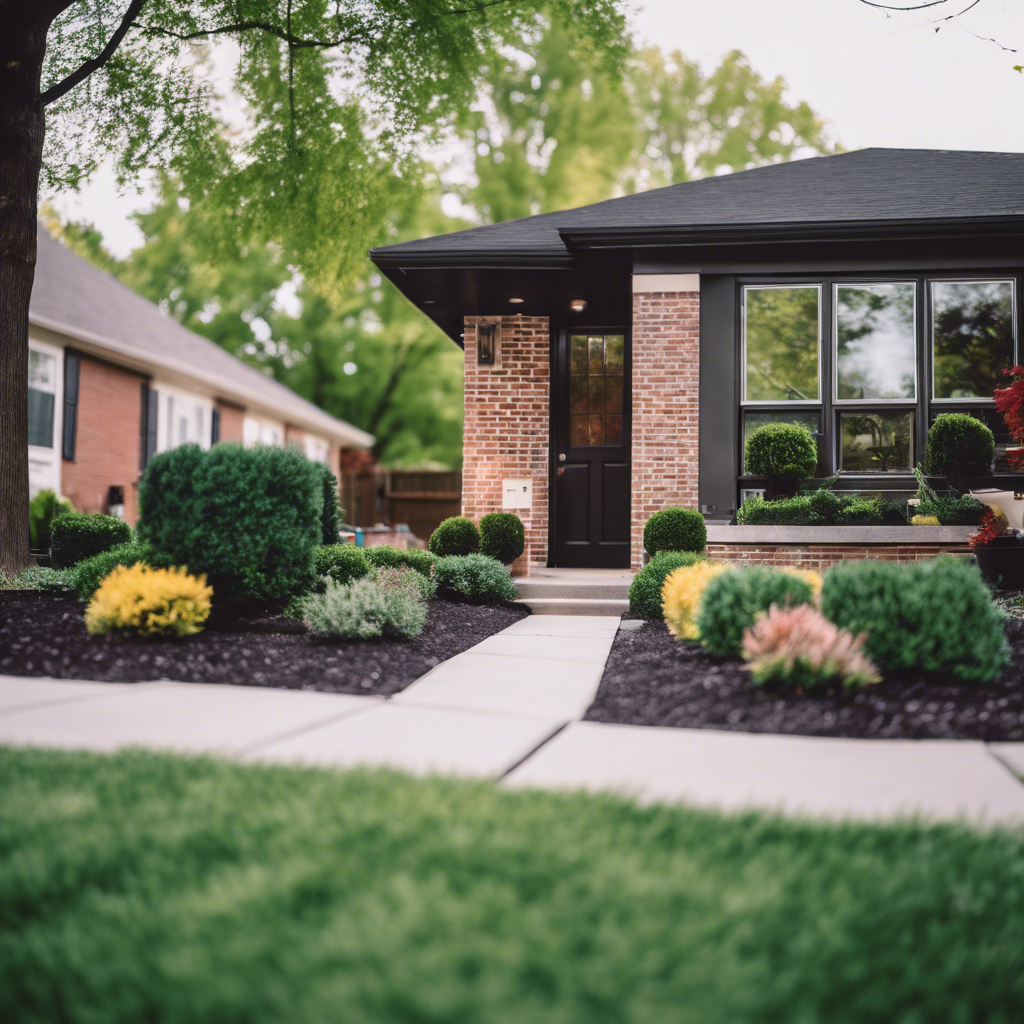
(107, 442)
(821, 556)
(507, 422)
(231, 417)
(666, 365)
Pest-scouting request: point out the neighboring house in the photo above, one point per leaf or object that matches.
(113, 380)
(617, 354)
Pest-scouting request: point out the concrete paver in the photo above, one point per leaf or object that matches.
(803, 775)
(559, 648)
(416, 739)
(193, 717)
(543, 687)
(602, 626)
(1011, 754)
(21, 692)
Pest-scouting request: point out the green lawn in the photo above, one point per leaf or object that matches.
(143, 888)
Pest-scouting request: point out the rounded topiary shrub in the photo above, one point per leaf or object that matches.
(455, 536)
(343, 563)
(782, 451)
(645, 590)
(330, 514)
(959, 445)
(246, 518)
(502, 536)
(675, 529)
(90, 573)
(74, 537)
(384, 556)
(474, 578)
(936, 616)
(733, 601)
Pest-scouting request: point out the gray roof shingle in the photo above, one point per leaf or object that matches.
(869, 185)
(71, 293)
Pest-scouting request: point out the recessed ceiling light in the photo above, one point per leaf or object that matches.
(428, 302)
(516, 300)
(578, 305)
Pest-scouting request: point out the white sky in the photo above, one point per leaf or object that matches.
(882, 81)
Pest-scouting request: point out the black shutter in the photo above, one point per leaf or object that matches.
(72, 368)
(147, 426)
(215, 427)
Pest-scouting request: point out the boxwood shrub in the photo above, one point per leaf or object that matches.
(783, 451)
(42, 510)
(384, 556)
(675, 529)
(455, 536)
(959, 446)
(91, 572)
(645, 590)
(330, 514)
(76, 536)
(960, 511)
(819, 508)
(476, 579)
(342, 563)
(734, 600)
(936, 616)
(502, 536)
(247, 518)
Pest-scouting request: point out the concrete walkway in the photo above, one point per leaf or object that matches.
(510, 709)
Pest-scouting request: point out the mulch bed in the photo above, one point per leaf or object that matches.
(653, 679)
(44, 635)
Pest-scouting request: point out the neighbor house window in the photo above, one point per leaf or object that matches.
(42, 394)
(782, 344)
(972, 336)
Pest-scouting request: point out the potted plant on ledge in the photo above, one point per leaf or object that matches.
(785, 454)
(999, 550)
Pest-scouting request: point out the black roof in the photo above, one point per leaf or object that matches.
(868, 187)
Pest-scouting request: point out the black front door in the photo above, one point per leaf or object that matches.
(591, 456)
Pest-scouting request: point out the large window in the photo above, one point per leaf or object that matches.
(866, 364)
(42, 391)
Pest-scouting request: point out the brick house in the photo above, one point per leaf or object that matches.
(617, 354)
(113, 380)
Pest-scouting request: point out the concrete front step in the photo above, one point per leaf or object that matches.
(530, 589)
(575, 605)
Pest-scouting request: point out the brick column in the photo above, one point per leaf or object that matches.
(507, 422)
(666, 366)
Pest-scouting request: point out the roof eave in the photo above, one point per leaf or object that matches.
(478, 259)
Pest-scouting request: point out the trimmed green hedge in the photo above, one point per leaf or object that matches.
(90, 573)
(384, 556)
(502, 536)
(645, 590)
(675, 529)
(76, 536)
(343, 563)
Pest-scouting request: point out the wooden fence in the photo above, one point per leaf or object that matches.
(418, 498)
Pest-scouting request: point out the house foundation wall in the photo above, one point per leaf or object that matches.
(822, 556)
(665, 390)
(507, 426)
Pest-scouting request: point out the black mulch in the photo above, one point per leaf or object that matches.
(44, 635)
(653, 679)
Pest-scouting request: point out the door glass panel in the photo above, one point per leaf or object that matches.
(596, 389)
(614, 348)
(876, 442)
(876, 351)
(972, 336)
(577, 394)
(578, 431)
(578, 362)
(781, 334)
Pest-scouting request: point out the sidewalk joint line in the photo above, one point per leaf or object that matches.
(526, 757)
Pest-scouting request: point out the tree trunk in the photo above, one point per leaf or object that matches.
(22, 45)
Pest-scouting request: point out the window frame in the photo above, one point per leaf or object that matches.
(53, 391)
(924, 407)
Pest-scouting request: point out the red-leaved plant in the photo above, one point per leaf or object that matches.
(1010, 402)
(799, 648)
(991, 529)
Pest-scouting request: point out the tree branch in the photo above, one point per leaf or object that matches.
(244, 26)
(479, 7)
(95, 63)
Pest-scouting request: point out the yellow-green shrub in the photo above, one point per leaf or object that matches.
(815, 579)
(681, 594)
(149, 602)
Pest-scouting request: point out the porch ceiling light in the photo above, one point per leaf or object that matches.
(516, 301)
(578, 305)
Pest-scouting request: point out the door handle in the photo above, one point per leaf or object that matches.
(561, 457)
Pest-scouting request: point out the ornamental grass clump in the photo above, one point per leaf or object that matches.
(937, 617)
(365, 611)
(645, 590)
(733, 601)
(681, 595)
(456, 535)
(502, 536)
(475, 579)
(149, 603)
(675, 529)
(342, 563)
(401, 577)
(798, 648)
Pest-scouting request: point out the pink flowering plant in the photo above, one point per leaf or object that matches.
(798, 648)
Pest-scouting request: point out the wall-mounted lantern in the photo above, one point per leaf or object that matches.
(487, 344)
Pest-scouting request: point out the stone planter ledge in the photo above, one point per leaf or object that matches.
(719, 533)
